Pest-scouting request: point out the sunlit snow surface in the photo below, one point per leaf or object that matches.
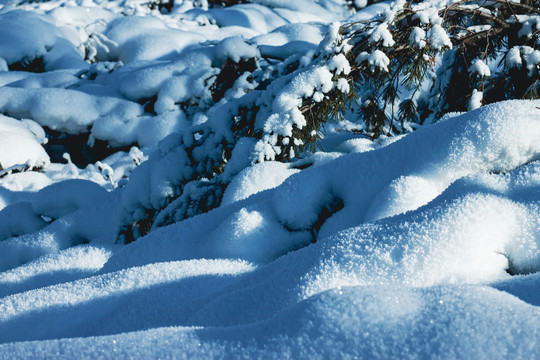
(416, 263)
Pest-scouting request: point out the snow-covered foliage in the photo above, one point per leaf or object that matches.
(417, 61)
(226, 178)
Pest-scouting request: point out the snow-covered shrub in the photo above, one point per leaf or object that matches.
(421, 60)
(278, 119)
(396, 70)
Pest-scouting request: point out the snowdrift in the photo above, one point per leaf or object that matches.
(434, 251)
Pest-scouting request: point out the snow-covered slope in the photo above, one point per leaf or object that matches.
(419, 246)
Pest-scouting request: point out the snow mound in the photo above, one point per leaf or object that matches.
(26, 37)
(57, 217)
(495, 138)
(63, 198)
(257, 178)
(18, 219)
(138, 38)
(340, 194)
(59, 109)
(20, 144)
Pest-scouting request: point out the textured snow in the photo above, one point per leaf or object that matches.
(368, 322)
(425, 245)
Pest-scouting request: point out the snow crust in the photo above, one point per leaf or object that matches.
(425, 245)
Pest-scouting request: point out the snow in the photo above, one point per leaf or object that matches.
(532, 58)
(424, 245)
(513, 58)
(479, 67)
(312, 33)
(18, 219)
(323, 325)
(381, 33)
(43, 41)
(59, 108)
(476, 99)
(378, 59)
(254, 179)
(146, 38)
(20, 144)
(60, 199)
(438, 38)
(528, 22)
(517, 54)
(418, 37)
(428, 270)
(427, 14)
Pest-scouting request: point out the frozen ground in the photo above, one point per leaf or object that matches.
(425, 245)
